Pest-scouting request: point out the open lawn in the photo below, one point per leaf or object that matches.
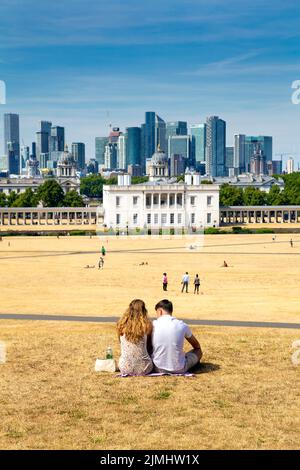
(246, 396)
(47, 275)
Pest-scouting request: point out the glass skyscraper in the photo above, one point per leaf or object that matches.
(134, 141)
(12, 135)
(265, 143)
(239, 162)
(180, 145)
(100, 143)
(215, 146)
(198, 135)
(149, 134)
(78, 152)
(57, 139)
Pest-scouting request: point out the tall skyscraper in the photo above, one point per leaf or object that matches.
(111, 149)
(42, 144)
(57, 139)
(12, 134)
(122, 149)
(149, 134)
(180, 145)
(198, 136)
(100, 143)
(258, 162)
(229, 156)
(24, 156)
(160, 133)
(265, 143)
(176, 128)
(78, 152)
(154, 133)
(134, 145)
(239, 163)
(177, 165)
(290, 165)
(215, 146)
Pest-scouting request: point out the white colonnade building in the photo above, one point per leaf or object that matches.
(162, 202)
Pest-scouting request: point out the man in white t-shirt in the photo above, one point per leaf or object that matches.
(168, 337)
(185, 282)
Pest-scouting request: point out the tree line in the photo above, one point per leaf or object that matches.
(290, 195)
(48, 194)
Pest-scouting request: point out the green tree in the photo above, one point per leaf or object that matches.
(254, 197)
(274, 197)
(3, 200)
(92, 186)
(50, 194)
(230, 195)
(139, 179)
(73, 199)
(26, 199)
(11, 198)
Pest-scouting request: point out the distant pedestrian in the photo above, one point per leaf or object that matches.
(196, 284)
(274, 238)
(165, 282)
(103, 251)
(185, 282)
(291, 243)
(225, 265)
(101, 263)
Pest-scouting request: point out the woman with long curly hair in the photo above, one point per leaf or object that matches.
(134, 331)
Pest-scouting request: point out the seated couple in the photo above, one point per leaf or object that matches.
(155, 347)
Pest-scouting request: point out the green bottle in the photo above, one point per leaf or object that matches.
(109, 353)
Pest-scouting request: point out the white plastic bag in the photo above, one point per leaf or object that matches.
(105, 365)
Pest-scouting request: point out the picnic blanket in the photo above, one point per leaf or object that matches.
(158, 374)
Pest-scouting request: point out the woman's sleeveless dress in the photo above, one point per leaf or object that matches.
(135, 359)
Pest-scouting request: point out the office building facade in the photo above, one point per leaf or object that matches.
(215, 146)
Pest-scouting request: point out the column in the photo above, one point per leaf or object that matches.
(24, 218)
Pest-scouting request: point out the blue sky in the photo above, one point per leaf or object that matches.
(85, 64)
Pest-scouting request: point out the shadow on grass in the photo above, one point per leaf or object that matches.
(204, 368)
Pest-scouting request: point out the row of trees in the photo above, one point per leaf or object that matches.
(92, 185)
(49, 194)
(290, 195)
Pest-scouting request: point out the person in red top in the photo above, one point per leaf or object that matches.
(165, 281)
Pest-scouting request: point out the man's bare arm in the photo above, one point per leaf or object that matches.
(196, 345)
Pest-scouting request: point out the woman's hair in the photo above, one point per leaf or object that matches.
(135, 322)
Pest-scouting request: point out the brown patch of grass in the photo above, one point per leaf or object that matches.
(246, 395)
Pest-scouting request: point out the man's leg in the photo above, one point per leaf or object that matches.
(187, 287)
(192, 358)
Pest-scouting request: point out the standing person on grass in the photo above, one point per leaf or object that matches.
(196, 284)
(185, 282)
(134, 331)
(168, 337)
(165, 282)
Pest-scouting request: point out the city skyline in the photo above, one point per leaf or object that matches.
(85, 68)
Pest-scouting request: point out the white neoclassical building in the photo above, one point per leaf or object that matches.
(162, 202)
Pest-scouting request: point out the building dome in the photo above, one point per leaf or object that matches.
(66, 157)
(159, 157)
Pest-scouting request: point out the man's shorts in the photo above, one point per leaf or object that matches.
(191, 359)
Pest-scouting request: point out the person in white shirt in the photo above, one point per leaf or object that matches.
(168, 337)
(185, 282)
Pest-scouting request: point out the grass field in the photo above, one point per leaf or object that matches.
(245, 395)
(47, 275)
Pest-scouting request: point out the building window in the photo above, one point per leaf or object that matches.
(148, 218)
(208, 218)
(163, 219)
(179, 199)
(192, 218)
(117, 201)
(179, 218)
(148, 200)
(118, 219)
(209, 200)
(172, 218)
(135, 219)
(135, 200)
(193, 198)
(156, 218)
(155, 199)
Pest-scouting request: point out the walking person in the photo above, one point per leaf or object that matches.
(165, 282)
(185, 282)
(196, 284)
(103, 251)
(291, 243)
(101, 263)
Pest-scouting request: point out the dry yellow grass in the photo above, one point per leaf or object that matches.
(47, 275)
(248, 397)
